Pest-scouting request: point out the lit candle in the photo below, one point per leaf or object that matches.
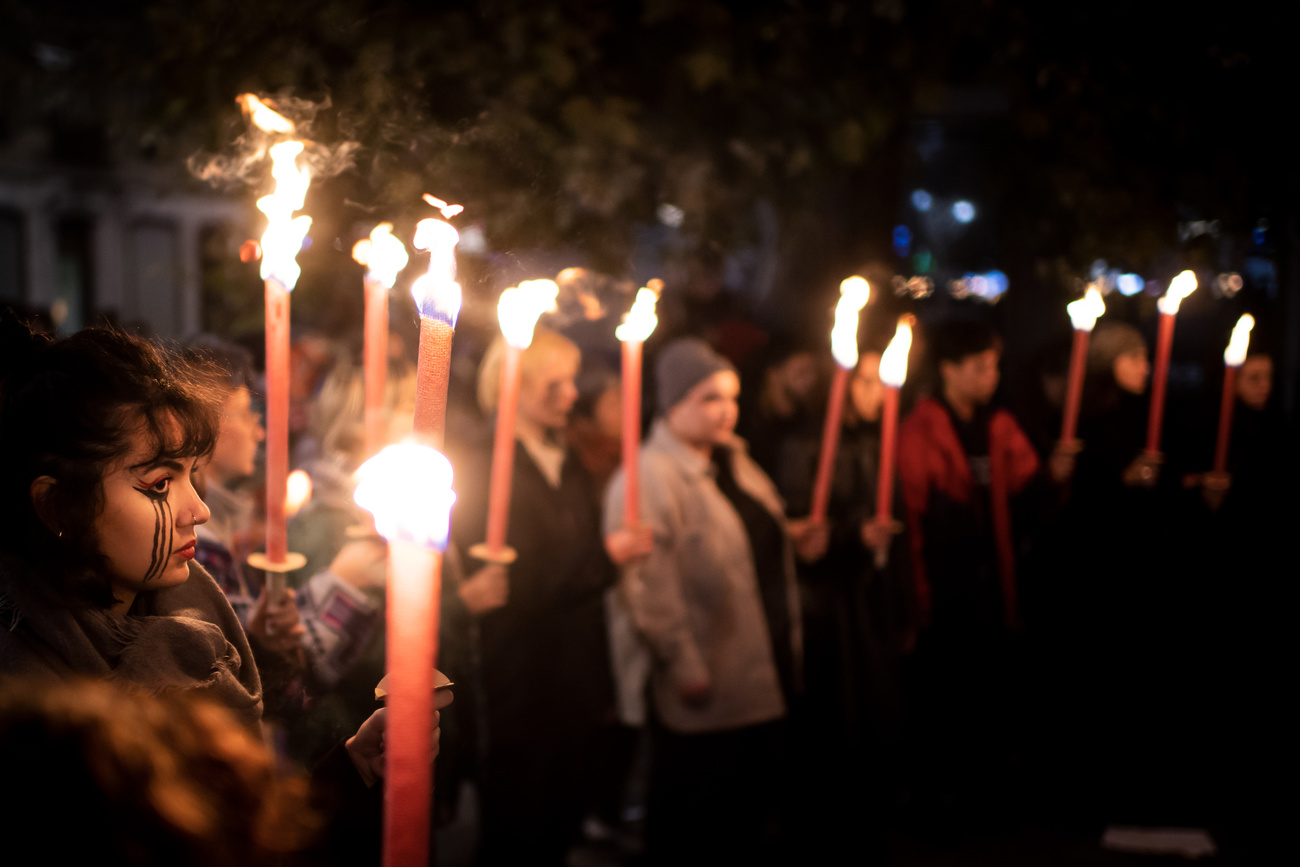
(1179, 288)
(437, 296)
(384, 257)
(893, 373)
(1233, 357)
(407, 487)
(1083, 316)
(297, 492)
(280, 245)
(518, 311)
(637, 326)
(854, 293)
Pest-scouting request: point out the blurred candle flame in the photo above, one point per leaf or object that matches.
(436, 292)
(284, 232)
(1084, 311)
(383, 255)
(893, 362)
(521, 306)
(640, 320)
(407, 487)
(263, 116)
(297, 492)
(854, 293)
(448, 211)
(1179, 288)
(1235, 354)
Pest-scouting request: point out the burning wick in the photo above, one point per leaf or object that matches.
(448, 211)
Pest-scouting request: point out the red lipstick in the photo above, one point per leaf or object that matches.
(187, 552)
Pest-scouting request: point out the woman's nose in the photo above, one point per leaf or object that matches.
(196, 509)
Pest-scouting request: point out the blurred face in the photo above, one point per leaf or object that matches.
(1255, 381)
(974, 378)
(1131, 371)
(547, 390)
(707, 415)
(235, 455)
(146, 529)
(865, 388)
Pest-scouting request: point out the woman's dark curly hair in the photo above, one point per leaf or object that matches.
(70, 409)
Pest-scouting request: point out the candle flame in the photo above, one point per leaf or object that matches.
(284, 232)
(383, 255)
(854, 293)
(447, 210)
(1179, 288)
(521, 306)
(436, 292)
(407, 487)
(1235, 354)
(297, 492)
(893, 362)
(640, 321)
(263, 116)
(1084, 312)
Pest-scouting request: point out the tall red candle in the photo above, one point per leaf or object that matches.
(888, 445)
(376, 363)
(636, 327)
(1179, 288)
(1233, 357)
(631, 432)
(830, 441)
(438, 298)
(503, 451)
(518, 311)
(408, 489)
(1225, 418)
(384, 257)
(277, 420)
(1083, 316)
(854, 292)
(893, 373)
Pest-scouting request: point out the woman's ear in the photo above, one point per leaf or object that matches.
(41, 490)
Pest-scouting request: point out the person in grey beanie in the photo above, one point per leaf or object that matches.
(717, 608)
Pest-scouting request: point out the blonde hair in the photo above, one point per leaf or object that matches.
(545, 343)
(338, 415)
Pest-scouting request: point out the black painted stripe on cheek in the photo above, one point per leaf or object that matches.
(157, 531)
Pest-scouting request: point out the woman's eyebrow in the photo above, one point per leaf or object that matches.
(174, 466)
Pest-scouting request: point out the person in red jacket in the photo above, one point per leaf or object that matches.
(960, 464)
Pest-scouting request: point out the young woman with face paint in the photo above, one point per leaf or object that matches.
(102, 433)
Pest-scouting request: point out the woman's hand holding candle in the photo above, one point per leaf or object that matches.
(486, 590)
(628, 544)
(366, 747)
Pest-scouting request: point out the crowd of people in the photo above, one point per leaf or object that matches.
(1071, 631)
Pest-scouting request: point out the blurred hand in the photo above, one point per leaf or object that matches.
(485, 590)
(363, 563)
(627, 544)
(877, 535)
(697, 692)
(366, 747)
(1214, 487)
(1144, 472)
(810, 538)
(277, 624)
(1061, 464)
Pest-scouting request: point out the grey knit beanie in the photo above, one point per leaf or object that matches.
(681, 366)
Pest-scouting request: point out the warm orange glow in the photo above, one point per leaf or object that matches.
(854, 293)
(297, 492)
(521, 306)
(1084, 312)
(447, 210)
(640, 321)
(284, 232)
(383, 255)
(1235, 354)
(407, 487)
(436, 292)
(1179, 288)
(263, 116)
(893, 363)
